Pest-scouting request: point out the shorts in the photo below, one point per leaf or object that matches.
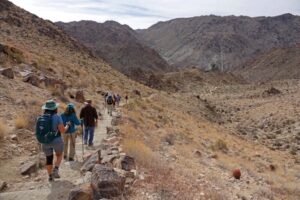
(56, 145)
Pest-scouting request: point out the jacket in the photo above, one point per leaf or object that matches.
(74, 121)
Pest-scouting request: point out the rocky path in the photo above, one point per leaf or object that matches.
(39, 188)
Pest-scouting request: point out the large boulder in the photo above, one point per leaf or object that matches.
(82, 192)
(106, 182)
(8, 72)
(79, 96)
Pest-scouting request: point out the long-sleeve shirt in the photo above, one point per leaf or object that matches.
(89, 115)
(74, 121)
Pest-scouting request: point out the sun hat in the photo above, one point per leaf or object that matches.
(50, 105)
(71, 105)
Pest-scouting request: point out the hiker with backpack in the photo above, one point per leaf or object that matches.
(69, 116)
(109, 103)
(90, 120)
(49, 128)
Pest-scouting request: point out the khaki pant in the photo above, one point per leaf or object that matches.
(110, 109)
(69, 138)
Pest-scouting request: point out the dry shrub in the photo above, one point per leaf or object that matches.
(220, 145)
(3, 129)
(137, 149)
(21, 122)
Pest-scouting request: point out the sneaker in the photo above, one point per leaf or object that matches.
(90, 145)
(55, 173)
(71, 159)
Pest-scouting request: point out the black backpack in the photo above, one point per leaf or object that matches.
(109, 100)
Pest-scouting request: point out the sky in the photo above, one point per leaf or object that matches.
(144, 13)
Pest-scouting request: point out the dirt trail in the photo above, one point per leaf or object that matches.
(40, 189)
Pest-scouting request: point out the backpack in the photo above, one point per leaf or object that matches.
(109, 100)
(43, 131)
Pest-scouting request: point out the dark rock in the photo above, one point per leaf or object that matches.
(137, 92)
(8, 72)
(32, 79)
(82, 192)
(3, 185)
(91, 162)
(109, 130)
(126, 163)
(271, 92)
(79, 96)
(106, 182)
(28, 168)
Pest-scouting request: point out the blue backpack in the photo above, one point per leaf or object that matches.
(43, 131)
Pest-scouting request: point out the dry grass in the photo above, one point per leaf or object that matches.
(220, 145)
(21, 122)
(137, 149)
(3, 130)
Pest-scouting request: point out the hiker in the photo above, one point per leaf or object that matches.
(70, 136)
(109, 103)
(90, 120)
(49, 128)
(126, 98)
(118, 99)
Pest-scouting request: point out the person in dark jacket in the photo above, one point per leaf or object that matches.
(90, 120)
(70, 136)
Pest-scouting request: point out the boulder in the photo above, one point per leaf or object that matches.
(8, 72)
(82, 192)
(106, 182)
(108, 159)
(91, 162)
(3, 185)
(109, 130)
(32, 79)
(79, 96)
(112, 140)
(125, 162)
(28, 168)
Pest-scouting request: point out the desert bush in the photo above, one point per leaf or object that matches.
(3, 129)
(137, 149)
(21, 122)
(220, 145)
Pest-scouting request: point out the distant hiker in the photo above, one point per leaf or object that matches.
(90, 120)
(49, 128)
(126, 98)
(110, 103)
(69, 116)
(118, 99)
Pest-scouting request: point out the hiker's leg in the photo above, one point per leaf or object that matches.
(72, 145)
(48, 151)
(91, 140)
(66, 145)
(59, 149)
(86, 134)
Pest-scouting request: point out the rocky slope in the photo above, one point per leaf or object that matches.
(220, 42)
(277, 64)
(119, 46)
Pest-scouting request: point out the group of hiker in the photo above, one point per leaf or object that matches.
(111, 101)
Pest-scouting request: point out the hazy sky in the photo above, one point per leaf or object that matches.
(144, 13)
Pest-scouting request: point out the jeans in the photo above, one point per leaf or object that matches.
(89, 134)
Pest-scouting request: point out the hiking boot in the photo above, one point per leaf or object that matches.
(90, 145)
(55, 173)
(71, 159)
(50, 179)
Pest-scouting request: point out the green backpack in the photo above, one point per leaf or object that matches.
(43, 131)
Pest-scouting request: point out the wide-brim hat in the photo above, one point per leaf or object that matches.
(71, 105)
(50, 105)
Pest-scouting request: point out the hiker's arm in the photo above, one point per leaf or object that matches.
(76, 121)
(62, 129)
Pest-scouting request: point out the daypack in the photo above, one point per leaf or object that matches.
(109, 100)
(43, 131)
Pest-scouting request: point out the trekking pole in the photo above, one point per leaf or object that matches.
(82, 132)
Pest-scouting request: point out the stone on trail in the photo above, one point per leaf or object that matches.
(91, 162)
(82, 192)
(106, 182)
(28, 168)
(8, 72)
(126, 163)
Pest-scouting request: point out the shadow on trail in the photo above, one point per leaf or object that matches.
(60, 190)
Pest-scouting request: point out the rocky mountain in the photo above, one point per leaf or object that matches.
(119, 46)
(277, 64)
(210, 42)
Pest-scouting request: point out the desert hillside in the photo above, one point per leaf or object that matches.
(220, 42)
(180, 141)
(277, 64)
(119, 46)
